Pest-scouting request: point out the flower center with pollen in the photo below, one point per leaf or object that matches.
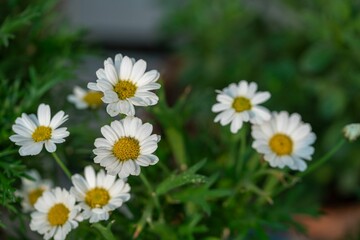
(34, 195)
(281, 144)
(126, 148)
(58, 214)
(41, 133)
(93, 99)
(125, 89)
(241, 104)
(97, 197)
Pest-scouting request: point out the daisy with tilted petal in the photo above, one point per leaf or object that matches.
(284, 141)
(85, 99)
(31, 190)
(128, 144)
(99, 194)
(125, 84)
(239, 103)
(32, 132)
(56, 214)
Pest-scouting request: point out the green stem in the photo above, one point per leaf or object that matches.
(312, 167)
(152, 194)
(241, 155)
(322, 160)
(62, 165)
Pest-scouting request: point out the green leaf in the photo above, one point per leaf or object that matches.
(175, 181)
(105, 231)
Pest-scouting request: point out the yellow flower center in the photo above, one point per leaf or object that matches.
(126, 148)
(241, 104)
(34, 195)
(93, 99)
(97, 197)
(41, 133)
(125, 89)
(281, 144)
(58, 215)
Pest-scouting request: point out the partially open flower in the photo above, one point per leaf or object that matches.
(352, 131)
(33, 132)
(32, 190)
(85, 99)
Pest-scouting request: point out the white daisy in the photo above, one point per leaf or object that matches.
(125, 84)
(33, 132)
(99, 194)
(352, 131)
(56, 214)
(128, 144)
(85, 99)
(284, 140)
(238, 103)
(31, 190)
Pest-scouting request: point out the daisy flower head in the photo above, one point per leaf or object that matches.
(239, 103)
(56, 214)
(128, 144)
(99, 193)
(284, 141)
(33, 132)
(85, 99)
(32, 190)
(125, 84)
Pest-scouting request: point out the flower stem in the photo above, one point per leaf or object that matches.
(322, 160)
(152, 193)
(241, 155)
(61, 164)
(312, 167)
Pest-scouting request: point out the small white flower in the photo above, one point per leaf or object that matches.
(125, 84)
(99, 194)
(352, 131)
(238, 103)
(284, 140)
(56, 214)
(32, 190)
(32, 132)
(85, 99)
(128, 144)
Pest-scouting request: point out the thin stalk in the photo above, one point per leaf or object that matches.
(62, 165)
(312, 167)
(241, 155)
(152, 194)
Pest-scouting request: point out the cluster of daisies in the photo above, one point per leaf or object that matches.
(126, 145)
(282, 138)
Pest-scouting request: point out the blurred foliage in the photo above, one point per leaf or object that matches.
(36, 53)
(306, 53)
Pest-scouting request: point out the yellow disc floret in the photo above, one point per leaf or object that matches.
(93, 99)
(241, 104)
(125, 89)
(97, 197)
(126, 148)
(58, 214)
(34, 195)
(41, 133)
(281, 144)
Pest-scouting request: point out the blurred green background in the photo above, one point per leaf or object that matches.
(305, 53)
